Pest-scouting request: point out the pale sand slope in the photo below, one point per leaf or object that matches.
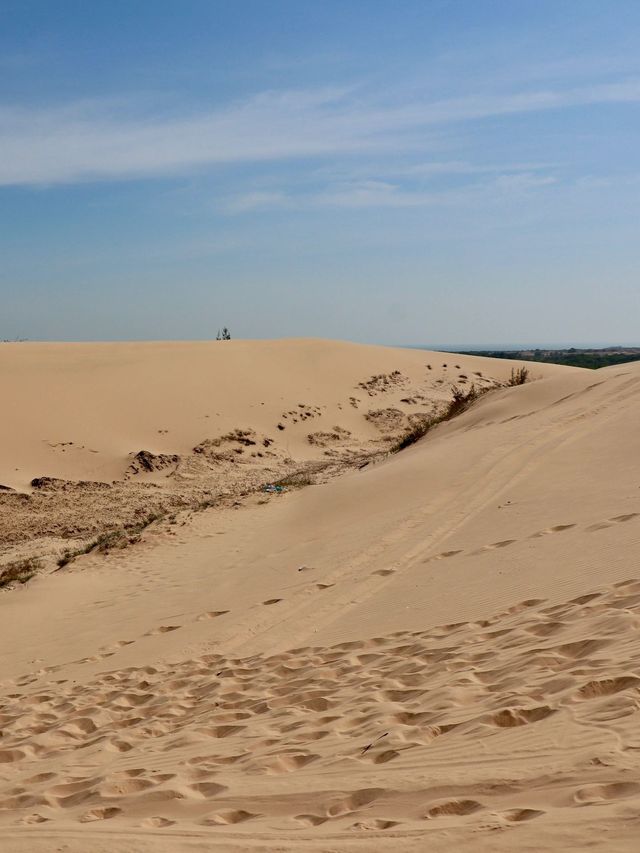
(78, 411)
(438, 652)
(130, 432)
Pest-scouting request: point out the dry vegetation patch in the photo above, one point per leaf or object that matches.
(19, 571)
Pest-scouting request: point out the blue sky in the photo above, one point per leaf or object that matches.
(442, 171)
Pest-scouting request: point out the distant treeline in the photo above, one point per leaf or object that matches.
(591, 358)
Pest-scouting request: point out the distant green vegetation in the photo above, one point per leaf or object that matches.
(591, 358)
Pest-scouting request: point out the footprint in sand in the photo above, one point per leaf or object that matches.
(272, 601)
(163, 629)
(378, 823)
(512, 717)
(9, 756)
(229, 818)
(211, 614)
(619, 519)
(605, 792)
(353, 802)
(311, 819)
(157, 822)
(607, 687)
(557, 528)
(616, 519)
(100, 814)
(207, 789)
(119, 745)
(503, 543)
(33, 819)
(520, 815)
(454, 807)
(383, 757)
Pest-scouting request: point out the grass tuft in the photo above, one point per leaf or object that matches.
(415, 433)
(19, 571)
(111, 540)
(295, 480)
(518, 376)
(459, 403)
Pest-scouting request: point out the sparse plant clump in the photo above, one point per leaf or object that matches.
(71, 553)
(111, 540)
(115, 539)
(322, 439)
(381, 382)
(419, 429)
(242, 436)
(519, 376)
(295, 480)
(19, 571)
(459, 403)
(204, 503)
(386, 420)
(144, 462)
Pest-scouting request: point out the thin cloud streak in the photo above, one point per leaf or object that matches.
(84, 141)
(384, 194)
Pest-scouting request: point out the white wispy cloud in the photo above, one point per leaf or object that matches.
(258, 200)
(99, 141)
(384, 193)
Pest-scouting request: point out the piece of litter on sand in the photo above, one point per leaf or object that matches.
(304, 568)
(273, 488)
(373, 742)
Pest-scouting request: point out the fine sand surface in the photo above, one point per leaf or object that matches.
(105, 437)
(439, 651)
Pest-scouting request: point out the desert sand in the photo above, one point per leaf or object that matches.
(117, 434)
(434, 649)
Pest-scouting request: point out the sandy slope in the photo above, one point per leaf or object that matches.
(78, 411)
(440, 652)
(212, 419)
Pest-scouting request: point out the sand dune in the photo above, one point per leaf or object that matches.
(97, 437)
(437, 651)
(79, 411)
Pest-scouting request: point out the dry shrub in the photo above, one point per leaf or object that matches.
(518, 376)
(19, 571)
